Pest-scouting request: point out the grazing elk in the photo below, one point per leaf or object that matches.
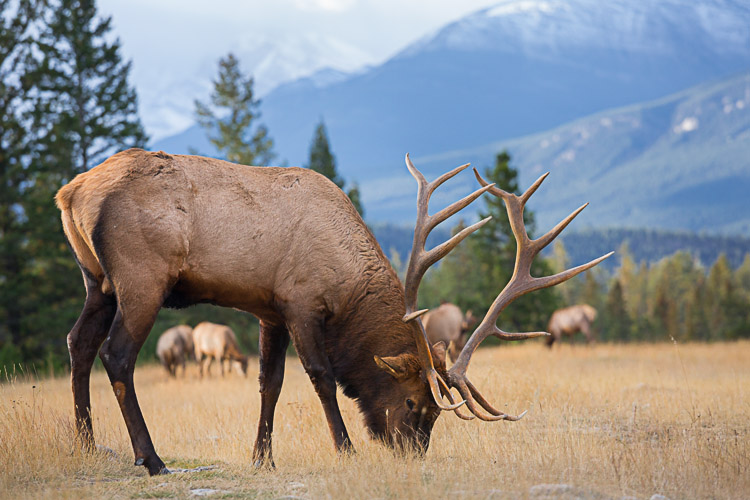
(217, 342)
(570, 320)
(150, 230)
(449, 325)
(174, 347)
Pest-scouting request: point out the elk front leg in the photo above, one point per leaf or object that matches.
(84, 341)
(274, 341)
(588, 333)
(308, 337)
(554, 336)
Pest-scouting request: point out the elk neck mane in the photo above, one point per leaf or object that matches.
(371, 324)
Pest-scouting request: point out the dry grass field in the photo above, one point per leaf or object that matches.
(611, 421)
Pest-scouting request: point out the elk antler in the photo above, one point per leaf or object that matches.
(421, 259)
(520, 283)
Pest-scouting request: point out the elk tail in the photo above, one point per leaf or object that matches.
(78, 239)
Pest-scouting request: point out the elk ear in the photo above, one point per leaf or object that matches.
(438, 351)
(399, 367)
(468, 321)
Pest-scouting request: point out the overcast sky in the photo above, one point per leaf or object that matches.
(174, 45)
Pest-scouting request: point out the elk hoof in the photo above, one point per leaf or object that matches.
(154, 466)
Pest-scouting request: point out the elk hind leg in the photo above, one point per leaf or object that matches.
(135, 316)
(84, 341)
(274, 341)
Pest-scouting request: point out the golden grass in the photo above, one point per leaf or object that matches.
(608, 421)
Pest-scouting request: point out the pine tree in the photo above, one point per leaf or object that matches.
(323, 161)
(321, 157)
(665, 312)
(231, 116)
(85, 98)
(743, 274)
(82, 109)
(16, 144)
(697, 326)
(626, 275)
(356, 199)
(718, 288)
(728, 307)
(616, 319)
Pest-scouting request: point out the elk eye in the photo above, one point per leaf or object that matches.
(410, 404)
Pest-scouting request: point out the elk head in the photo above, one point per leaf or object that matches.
(424, 376)
(411, 411)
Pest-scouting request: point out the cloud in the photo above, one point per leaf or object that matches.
(325, 5)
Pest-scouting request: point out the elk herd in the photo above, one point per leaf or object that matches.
(204, 343)
(151, 230)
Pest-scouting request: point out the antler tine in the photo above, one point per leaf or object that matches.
(517, 336)
(455, 207)
(444, 248)
(487, 406)
(447, 392)
(495, 190)
(541, 242)
(448, 175)
(558, 278)
(436, 381)
(514, 205)
(414, 172)
(525, 196)
(521, 282)
(487, 415)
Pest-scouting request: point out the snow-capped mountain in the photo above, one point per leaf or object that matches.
(552, 28)
(273, 62)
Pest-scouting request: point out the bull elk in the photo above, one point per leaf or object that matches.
(449, 325)
(570, 320)
(217, 342)
(150, 230)
(174, 347)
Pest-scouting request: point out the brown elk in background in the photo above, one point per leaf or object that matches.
(449, 325)
(217, 342)
(174, 347)
(151, 230)
(570, 320)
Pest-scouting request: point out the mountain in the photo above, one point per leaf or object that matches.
(512, 70)
(680, 162)
(273, 61)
